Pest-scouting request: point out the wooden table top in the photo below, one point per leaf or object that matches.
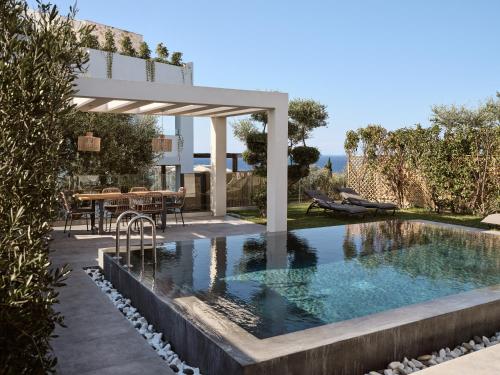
(113, 196)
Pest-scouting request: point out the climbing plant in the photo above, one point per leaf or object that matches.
(110, 48)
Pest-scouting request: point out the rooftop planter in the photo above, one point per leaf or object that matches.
(103, 64)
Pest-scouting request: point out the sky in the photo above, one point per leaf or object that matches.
(373, 61)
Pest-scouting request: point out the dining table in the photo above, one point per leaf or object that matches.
(98, 199)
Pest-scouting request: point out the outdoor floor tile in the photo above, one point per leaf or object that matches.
(144, 367)
(104, 351)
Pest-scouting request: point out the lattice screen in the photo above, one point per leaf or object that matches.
(372, 185)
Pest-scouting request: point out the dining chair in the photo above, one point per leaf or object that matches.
(149, 203)
(109, 205)
(72, 211)
(137, 189)
(176, 206)
(114, 207)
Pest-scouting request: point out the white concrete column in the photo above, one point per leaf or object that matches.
(184, 126)
(277, 168)
(218, 130)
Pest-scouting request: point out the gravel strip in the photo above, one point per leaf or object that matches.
(155, 339)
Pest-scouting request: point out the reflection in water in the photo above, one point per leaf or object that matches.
(277, 283)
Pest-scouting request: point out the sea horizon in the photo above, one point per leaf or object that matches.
(338, 163)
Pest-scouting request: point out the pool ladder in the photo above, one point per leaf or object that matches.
(137, 217)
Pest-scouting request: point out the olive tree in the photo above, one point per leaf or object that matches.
(125, 145)
(40, 59)
(457, 156)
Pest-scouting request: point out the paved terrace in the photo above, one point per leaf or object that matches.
(98, 339)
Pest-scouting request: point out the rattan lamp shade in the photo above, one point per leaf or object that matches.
(161, 144)
(89, 143)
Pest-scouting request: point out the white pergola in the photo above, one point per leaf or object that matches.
(135, 97)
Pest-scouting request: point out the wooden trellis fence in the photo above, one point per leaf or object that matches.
(370, 183)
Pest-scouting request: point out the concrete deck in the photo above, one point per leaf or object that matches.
(483, 362)
(98, 339)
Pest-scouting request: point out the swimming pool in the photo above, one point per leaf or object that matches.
(274, 284)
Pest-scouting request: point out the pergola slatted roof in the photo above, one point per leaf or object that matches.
(146, 98)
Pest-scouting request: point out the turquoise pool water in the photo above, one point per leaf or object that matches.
(279, 283)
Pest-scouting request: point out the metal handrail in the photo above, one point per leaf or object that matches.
(141, 219)
(118, 220)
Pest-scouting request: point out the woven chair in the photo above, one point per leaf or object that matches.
(111, 190)
(137, 189)
(72, 211)
(176, 206)
(150, 203)
(110, 206)
(114, 207)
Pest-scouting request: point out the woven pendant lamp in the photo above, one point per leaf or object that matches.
(161, 144)
(89, 143)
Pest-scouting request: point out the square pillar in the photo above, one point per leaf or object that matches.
(218, 146)
(277, 168)
(184, 127)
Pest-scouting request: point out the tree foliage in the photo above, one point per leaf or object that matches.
(144, 51)
(89, 40)
(328, 166)
(304, 117)
(109, 41)
(40, 57)
(126, 46)
(176, 59)
(161, 53)
(125, 145)
(458, 156)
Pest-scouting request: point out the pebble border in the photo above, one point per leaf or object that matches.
(155, 339)
(409, 366)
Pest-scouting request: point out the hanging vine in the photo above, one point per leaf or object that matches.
(180, 144)
(150, 70)
(109, 64)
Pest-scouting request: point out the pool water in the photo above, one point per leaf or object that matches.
(271, 284)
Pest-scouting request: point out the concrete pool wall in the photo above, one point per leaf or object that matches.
(208, 340)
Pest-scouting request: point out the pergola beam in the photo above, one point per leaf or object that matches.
(193, 112)
(97, 102)
(160, 109)
(178, 94)
(128, 107)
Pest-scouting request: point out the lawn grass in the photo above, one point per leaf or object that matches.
(298, 219)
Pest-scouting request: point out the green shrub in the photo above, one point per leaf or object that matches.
(40, 59)
(304, 155)
(259, 198)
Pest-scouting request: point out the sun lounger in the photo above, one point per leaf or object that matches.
(492, 220)
(321, 200)
(353, 197)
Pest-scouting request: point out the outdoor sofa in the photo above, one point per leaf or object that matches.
(351, 196)
(321, 200)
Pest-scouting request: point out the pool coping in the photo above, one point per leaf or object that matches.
(262, 356)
